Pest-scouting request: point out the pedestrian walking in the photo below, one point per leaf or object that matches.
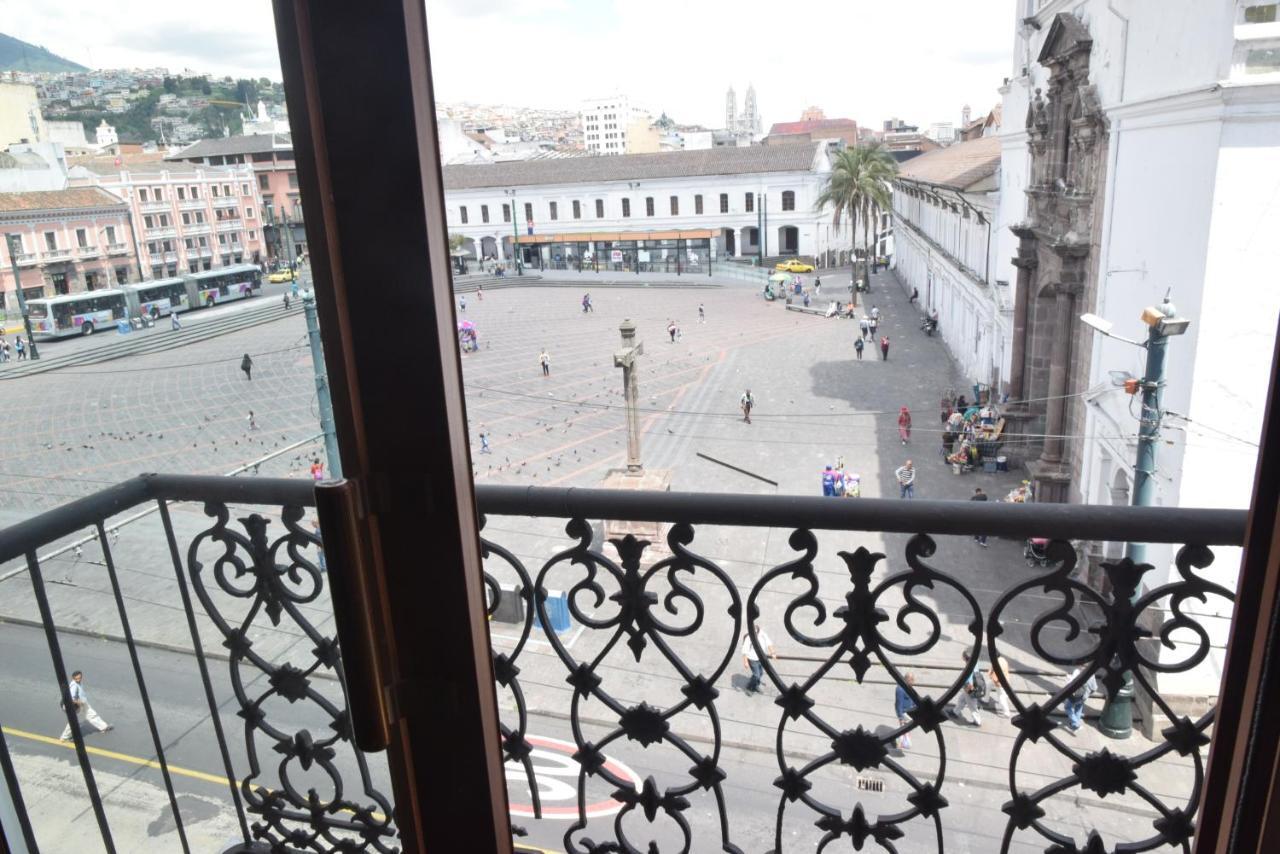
(906, 476)
(902, 706)
(884, 348)
(586, 304)
(979, 495)
(1074, 704)
(286, 302)
(972, 693)
(875, 314)
(864, 326)
(751, 658)
(874, 325)
(817, 286)
(4, 349)
(915, 295)
(21, 348)
(857, 347)
(253, 425)
(747, 403)
(246, 365)
(828, 481)
(545, 361)
(317, 469)
(462, 304)
(173, 320)
(671, 330)
(484, 442)
(84, 711)
(315, 530)
(480, 292)
(904, 425)
(995, 682)
(702, 314)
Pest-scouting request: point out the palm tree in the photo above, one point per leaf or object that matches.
(857, 185)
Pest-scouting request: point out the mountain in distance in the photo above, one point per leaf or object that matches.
(17, 55)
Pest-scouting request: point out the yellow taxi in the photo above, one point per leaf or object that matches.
(794, 265)
(285, 275)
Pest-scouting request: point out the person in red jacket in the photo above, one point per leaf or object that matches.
(904, 425)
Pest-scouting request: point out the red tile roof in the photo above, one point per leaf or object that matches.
(45, 200)
(815, 126)
(957, 166)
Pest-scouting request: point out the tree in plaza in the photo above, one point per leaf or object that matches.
(857, 184)
(455, 242)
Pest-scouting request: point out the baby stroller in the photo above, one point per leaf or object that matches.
(1036, 551)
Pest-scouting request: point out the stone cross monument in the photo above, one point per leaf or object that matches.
(635, 476)
(625, 358)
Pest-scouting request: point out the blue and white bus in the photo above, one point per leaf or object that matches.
(211, 287)
(158, 297)
(76, 314)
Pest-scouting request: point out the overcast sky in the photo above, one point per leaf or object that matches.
(863, 59)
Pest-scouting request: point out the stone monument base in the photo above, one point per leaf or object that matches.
(646, 480)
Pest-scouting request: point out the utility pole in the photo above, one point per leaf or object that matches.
(515, 233)
(14, 244)
(323, 401)
(759, 233)
(764, 233)
(1116, 720)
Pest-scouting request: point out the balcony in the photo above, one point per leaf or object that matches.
(225, 202)
(170, 257)
(160, 232)
(88, 251)
(197, 228)
(26, 259)
(161, 206)
(192, 205)
(635, 647)
(117, 248)
(55, 254)
(230, 224)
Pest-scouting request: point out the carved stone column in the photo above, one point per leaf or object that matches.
(1026, 262)
(1056, 405)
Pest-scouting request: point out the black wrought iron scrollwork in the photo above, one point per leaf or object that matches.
(635, 617)
(859, 642)
(506, 669)
(1116, 648)
(277, 578)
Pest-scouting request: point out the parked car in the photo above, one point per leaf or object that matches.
(793, 265)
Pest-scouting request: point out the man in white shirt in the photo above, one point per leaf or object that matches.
(751, 661)
(83, 710)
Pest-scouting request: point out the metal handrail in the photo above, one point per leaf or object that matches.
(1054, 521)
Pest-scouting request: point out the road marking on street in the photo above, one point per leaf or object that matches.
(198, 775)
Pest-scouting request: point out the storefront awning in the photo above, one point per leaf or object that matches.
(616, 236)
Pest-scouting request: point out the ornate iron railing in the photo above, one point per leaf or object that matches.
(877, 617)
(885, 618)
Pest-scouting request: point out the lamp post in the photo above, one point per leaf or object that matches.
(515, 233)
(13, 243)
(1162, 324)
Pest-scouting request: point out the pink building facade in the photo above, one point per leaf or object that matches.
(270, 156)
(70, 240)
(187, 218)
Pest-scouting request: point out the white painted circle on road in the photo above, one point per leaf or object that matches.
(556, 774)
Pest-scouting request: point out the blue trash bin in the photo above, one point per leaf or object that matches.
(557, 606)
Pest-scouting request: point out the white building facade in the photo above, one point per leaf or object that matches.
(1187, 107)
(944, 221)
(604, 124)
(721, 194)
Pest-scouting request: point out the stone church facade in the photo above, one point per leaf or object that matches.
(1057, 260)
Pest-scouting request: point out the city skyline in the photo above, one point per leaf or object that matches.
(954, 56)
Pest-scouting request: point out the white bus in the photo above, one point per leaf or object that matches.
(76, 314)
(239, 281)
(158, 297)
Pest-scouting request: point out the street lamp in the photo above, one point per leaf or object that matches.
(515, 232)
(1162, 324)
(14, 244)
